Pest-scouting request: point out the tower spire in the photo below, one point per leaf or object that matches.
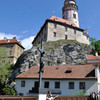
(70, 12)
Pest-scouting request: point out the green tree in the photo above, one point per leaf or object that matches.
(3, 55)
(9, 91)
(97, 46)
(92, 42)
(5, 71)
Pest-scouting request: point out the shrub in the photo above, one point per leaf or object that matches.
(9, 91)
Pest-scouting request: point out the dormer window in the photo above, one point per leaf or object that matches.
(8, 41)
(56, 19)
(69, 70)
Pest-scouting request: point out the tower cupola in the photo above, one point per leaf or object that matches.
(70, 12)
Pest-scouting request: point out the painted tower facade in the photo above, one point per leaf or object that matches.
(70, 12)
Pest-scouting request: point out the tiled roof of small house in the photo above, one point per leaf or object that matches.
(10, 41)
(92, 57)
(61, 72)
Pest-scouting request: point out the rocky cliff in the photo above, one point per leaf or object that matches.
(62, 52)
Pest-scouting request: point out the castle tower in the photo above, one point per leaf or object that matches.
(70, 12)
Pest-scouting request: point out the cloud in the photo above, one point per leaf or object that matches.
(27, 42)
(9, 36)
(25, 31)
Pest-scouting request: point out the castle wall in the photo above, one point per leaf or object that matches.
(60, 30)
(41, 36)
(54, 31)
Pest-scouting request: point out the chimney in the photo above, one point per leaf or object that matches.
(14, 37)
(96, 53)
(86, 31)
(56, 19)
(5, 38)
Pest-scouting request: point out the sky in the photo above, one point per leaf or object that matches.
(24, 18)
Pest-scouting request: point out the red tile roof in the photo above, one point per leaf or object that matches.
(92, 57)
(10, 41)
(61, 20)
(61, 72)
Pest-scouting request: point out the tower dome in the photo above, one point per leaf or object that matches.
(70, 12)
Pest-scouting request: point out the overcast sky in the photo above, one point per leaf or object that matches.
(24, 18)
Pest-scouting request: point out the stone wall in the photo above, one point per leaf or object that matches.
(60, 30)
(47, 33)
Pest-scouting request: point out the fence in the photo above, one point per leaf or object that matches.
(35, 98)
(17, 98)
(73, 98)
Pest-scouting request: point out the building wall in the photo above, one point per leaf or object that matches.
(13, 51)
(42, 36)
(60, 30)
(91, 85)
(47, 34)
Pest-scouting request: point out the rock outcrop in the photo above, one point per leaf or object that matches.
(62, 52)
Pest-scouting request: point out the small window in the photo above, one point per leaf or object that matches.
(10, 52)
(71, 85)
(11, 47)
(57, 85)
(3, 61)
(22, 83)
(18, 48)
(36, 84)
(54, 34)
(74, 31)
(74, 16)
(66, 37)
(46, 85)
(55, 26)
(82, 85)
(66, 29)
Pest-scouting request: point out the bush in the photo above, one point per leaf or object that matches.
(9, 91)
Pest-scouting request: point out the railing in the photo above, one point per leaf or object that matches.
(73, 98)
(36, 98)
(17, 98)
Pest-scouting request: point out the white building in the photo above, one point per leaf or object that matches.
(61, 80)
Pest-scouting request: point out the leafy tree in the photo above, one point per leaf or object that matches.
(97, 46)
(92, 41)
(3, 54)
(9, 91)
(5, 72)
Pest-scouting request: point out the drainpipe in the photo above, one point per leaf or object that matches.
(97, 74)
(96, 71)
